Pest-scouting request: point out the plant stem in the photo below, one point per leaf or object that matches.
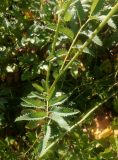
(54, 42)
(74, 43)
(96, 31)
(77, 124)
(52, 53)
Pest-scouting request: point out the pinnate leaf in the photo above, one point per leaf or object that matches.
(96, 6)
(58, 100)
(61, 122)
(80, 10)
(38, 87)
(111, 24)
(32, 116)
(64, 30)
(46, 139)
(33, 103)
(110, 21)
(97, 41)
(65, 114)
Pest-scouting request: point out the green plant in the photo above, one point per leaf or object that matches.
(48, 105)
(68, 51)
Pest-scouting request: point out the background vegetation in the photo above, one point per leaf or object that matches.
(59, 79)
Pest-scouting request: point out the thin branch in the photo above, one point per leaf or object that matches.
(81, 28)
(55, 40)
(96, 31)
(77, 124)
